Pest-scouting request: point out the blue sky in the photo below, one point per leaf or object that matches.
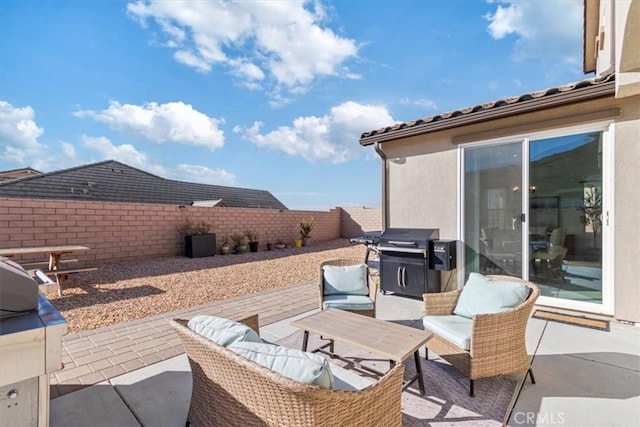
(272, 95)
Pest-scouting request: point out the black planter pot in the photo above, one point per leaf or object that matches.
(253, 246)
(199, 245)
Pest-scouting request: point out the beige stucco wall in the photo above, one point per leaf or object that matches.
(422, 185)
(626, 211)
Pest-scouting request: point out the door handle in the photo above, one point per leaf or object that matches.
(398, 277)
(404, 277)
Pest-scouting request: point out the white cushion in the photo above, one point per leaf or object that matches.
(349, 280)
(222, 331)
(455, 329)
(347, 302)
(298, 365)
(482, 295)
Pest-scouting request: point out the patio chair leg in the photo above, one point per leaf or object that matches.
(471, 388)
(533, 380)
(426, 353)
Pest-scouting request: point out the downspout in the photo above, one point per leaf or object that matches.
(378, 149)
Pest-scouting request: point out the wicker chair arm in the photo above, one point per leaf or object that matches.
(494, 333)
(374, 283)
(439, 304)
(252, 322)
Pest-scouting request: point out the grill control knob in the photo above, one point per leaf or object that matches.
(13, 394)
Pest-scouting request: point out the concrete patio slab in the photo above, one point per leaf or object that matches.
(584, 377)
(97, 406)
(158, 395)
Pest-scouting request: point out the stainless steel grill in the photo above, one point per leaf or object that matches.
(404, 261)
(30, 349)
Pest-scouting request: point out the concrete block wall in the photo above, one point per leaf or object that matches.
(131, 231)
(354, 221)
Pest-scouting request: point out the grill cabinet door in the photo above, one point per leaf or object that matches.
(403, 273)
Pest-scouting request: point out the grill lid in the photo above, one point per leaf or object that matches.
(411, 240)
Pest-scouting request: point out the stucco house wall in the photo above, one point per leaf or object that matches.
(627, 210)
(423, 178)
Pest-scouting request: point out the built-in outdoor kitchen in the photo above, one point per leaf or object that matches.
(31, 331)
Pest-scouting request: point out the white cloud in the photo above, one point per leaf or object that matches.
(281, 40)
(128, 154)
(544, 29)
(171, 122)
(202, 174)
(421, 102)
(19, 134)
(68, 150)
(125, 153)
(332, 137)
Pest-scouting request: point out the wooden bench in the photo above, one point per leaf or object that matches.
(62, 273)
(46, 263)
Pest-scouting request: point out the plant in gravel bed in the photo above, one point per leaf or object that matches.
(198, 240)
(306, 226)
(252, 237)
(239, 240)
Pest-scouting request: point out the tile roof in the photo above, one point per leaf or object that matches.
(112, 181)
(572, 92)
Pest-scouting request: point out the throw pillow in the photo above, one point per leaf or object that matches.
(222, 331)
(298, 365)
(349, 280)
(482, 295)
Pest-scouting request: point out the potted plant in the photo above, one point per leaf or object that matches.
(280, 244)
(252, 237)
(269, 244)
(198, 240)
(306, 226)
(238, 239)
(591, 217)
(224, 249)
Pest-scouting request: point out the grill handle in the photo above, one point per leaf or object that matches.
(401, 277)
(402, 243)
(405, 250)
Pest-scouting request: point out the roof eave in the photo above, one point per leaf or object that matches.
(562, 98)
(589, 35)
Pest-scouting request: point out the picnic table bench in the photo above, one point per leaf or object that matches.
(55, 261)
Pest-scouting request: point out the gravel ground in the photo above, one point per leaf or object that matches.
(127, 291)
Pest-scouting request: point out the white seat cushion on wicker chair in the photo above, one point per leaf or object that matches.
(456, 329)
(298, 365)
(222, 331)
(347, 302)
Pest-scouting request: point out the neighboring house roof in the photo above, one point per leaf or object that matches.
(18, 173)
(574, 92)
(112, 181)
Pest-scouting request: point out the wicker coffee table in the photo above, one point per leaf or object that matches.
(390, 340)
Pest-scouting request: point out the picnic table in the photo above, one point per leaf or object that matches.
(55, 261)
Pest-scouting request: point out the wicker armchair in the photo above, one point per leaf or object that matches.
(497, 340)
(372, 283)
(229, 390)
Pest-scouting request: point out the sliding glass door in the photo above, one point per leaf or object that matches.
(565, 211)
(536, 208)
(493, 209)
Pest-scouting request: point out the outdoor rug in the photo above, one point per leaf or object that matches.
(602, 325)
(447, 401)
